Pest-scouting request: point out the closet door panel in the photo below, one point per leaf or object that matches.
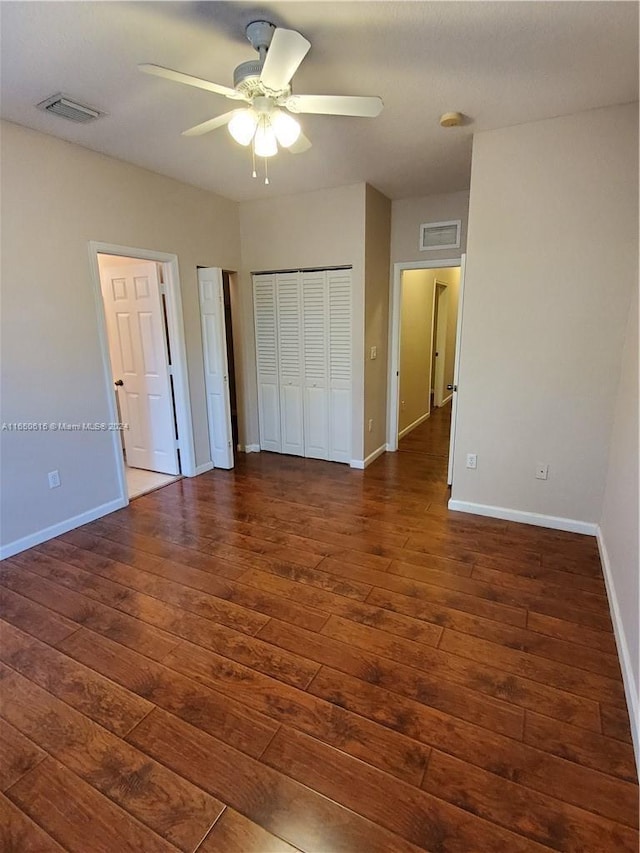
(340, 364)
(266, 330)
(316, 367)
(289, 304)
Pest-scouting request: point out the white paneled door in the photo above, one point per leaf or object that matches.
(139, 360)
(216, 369)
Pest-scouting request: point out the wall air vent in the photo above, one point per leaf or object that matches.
(63, 106)
(440, 235)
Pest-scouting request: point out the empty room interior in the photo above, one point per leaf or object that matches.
(319, 446)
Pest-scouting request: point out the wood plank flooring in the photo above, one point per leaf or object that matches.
(296, 656)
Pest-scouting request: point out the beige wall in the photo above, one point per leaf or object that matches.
(56, 197)
(408, 214)
(377, 237)
(416, 319)
(551, 266)
(315, 229)
(619, 522)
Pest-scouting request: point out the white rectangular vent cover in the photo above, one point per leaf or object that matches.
(440, 235)
(63, 106)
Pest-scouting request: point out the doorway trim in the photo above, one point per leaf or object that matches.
(175, 325)
(395, 316)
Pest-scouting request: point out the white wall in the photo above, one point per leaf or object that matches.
(619, 523)
(56, 197)
(408, 214)
(315, 229)
(551, 266)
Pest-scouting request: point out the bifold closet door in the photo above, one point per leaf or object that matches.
(316, 366)
(266, 329)
(340, 364)
(289, 303)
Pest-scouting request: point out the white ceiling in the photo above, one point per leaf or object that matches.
(500, 63)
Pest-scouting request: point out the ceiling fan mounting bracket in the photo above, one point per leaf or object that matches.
(260, 34)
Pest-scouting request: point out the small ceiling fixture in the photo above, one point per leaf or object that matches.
(265, 84)
(65, 107)
(451, 119)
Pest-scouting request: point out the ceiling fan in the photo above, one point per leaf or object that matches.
(265, 85)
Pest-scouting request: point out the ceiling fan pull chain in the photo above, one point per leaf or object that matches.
(266, 171)
(254, 174)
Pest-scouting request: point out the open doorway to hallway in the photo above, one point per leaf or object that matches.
(135, 310)
(427, 334)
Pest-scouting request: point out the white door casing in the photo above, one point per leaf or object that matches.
(456, 374)
(442, 315)
(216, 369)
(137, 347)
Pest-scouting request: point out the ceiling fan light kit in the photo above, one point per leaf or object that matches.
(265, 85)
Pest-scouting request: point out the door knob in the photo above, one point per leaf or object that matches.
(119, 383)
(452, 387)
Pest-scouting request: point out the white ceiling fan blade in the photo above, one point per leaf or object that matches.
(336, 105)
(286, 51)
(302, 144)
(187, 79)
(211, 124)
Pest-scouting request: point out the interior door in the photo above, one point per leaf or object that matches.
(138, 350)
(456, 373)
(266, 332)
(289, 301)
(442, 299)
(315, 346)
(216, 369)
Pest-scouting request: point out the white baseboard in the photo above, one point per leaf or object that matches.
(415, 424)
(572, 525)
(446, 400)
(58, 529)
(202, 469)
(249, 448)
(628, 678)
(361, 464)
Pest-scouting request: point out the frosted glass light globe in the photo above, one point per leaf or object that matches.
(243, 126)
(285, 127)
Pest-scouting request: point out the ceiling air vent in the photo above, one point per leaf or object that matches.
(440, 235)
(63, 106)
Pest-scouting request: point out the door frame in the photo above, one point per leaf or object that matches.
(175, 325)
(395, 317)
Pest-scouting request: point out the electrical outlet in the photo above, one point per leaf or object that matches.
(542, 471)
(370, 424)
(54, 479)
(472, 460)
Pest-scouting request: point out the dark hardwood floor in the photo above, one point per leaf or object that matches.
(298, 656)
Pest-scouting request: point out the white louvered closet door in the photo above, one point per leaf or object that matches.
(266, 329)
(289, 299)
(340, 364)
(316, 364)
